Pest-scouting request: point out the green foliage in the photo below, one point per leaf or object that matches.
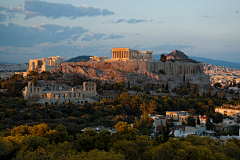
(50, 140)
(33, 73)
(61, 134)
(162, 71)
(217, 85)
(34, 81)
(145, 125)
(191, 121)
(136, 88)
(163, 58)
(4, 85)
(122, 127)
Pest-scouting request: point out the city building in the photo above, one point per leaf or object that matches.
(228, 111)
(176, 114)
(227, 125)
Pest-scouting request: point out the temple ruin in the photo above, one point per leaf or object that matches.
(126, 53)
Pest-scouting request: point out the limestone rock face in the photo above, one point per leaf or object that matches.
(178, 55)
(137, 76)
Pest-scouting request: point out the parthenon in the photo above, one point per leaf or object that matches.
(126, 53)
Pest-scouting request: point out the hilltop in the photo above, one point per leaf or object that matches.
(79, 58)
(178, 55)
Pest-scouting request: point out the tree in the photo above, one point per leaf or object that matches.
(128, 85)
(184, 76)
(151, 86)
(87, 140)
(163, 58)
(151, 107)
(188, 84)
(128, 148)
(122, 127)
(209, 125)
(217, 85)
(61, 134)
(4, 85)
(166, 86)
(84, 78)
(191, 121)
(209, 93)
(145, 126)
(34, 81)
(162, 71)
(198, 120)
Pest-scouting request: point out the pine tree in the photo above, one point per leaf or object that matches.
(209, 93)
(128, 85)
(223, 96)
(184, 76)
(163, 58)
(167, 86)
(84, 78)
(198, 121)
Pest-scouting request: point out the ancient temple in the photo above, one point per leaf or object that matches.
(126, 53)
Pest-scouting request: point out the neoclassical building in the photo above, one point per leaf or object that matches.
(53, 93)
(126, 53)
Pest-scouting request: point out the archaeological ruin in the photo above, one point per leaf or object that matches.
(45, 64)
(53, 93)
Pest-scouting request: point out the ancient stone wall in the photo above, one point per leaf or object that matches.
(173, 68)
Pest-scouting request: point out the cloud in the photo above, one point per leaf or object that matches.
(92, 36)
(131, 21)
(3, 17)
(228, 46)
(137, 34)
(120, 20)
(57, 10)
(136, 20)
(168, 48)
(2, 8)
(18, 36)
(237, 11)
(160, 22)
(113, 37)
(106, 12)
(70, 51)
(137, 46)
(205, 16)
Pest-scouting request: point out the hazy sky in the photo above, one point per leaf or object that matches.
(32, 29)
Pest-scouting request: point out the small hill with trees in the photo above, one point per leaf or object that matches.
(79, 58)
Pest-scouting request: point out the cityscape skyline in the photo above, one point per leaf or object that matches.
(35, 29)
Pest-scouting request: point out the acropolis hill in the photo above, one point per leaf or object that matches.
(133, 65)
(129, 60)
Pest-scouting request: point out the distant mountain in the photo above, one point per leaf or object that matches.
(79, 58)
(217, 62)
(7, 63)
(206, 60)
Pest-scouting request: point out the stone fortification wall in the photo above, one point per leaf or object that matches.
(173, 68)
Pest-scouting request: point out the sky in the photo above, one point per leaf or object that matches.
(31, 29)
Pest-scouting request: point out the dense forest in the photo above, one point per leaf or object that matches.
(54, 132)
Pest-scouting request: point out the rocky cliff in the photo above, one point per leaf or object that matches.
(137, 77)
